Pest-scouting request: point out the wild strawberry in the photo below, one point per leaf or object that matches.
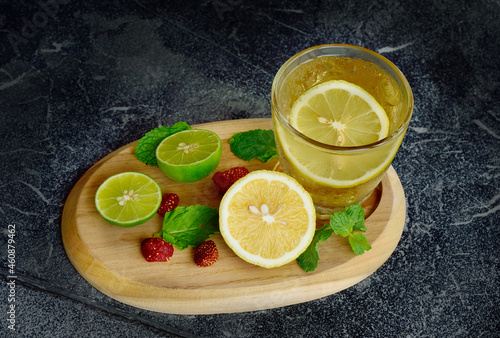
(237, 172)
(225, 179)
(206, 254)
(168, 203)
(222, 181)
(155, 249)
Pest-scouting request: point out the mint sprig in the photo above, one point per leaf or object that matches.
(257, 143)
(145, 150)
(346, 223)
(189, 226)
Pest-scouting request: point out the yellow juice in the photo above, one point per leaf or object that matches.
(337, 176)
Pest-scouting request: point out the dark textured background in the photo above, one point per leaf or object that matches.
(96, 75)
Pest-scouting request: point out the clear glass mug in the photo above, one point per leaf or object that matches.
(337, 177)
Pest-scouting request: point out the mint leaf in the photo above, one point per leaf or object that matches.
(359, 243)
(357, 214)
(342, 224)
(257, 143)
(309, 259)
(145, 150)
(345, 222)
(189, 226)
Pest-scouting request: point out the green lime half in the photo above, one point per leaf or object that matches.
(128, 199)
(189, 155)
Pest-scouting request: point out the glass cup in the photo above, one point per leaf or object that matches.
(337, 177)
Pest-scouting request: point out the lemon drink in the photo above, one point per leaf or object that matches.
(340, 113)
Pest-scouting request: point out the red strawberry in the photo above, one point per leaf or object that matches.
(225, 179)
(206, 254)
(155, 249)
(168, 203)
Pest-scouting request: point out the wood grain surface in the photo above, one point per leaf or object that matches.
(109, 257)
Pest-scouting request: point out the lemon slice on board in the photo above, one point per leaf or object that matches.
(189, 155)
(267, 218)
(341, 114)
(128, 199)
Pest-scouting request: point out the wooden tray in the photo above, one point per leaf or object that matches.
(109, 257)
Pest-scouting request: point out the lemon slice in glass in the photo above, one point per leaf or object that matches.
(341, 114)
(189, 155)
(128, 199)
(267, 218)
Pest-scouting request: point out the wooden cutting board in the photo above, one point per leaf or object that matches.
(109, 257)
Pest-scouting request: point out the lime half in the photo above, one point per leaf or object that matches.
(189, 155)
(128, 199)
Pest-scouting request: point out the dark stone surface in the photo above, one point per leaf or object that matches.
(96, 75)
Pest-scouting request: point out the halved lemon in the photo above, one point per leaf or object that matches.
(267, 218)
(341, 114)
(128, 199)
